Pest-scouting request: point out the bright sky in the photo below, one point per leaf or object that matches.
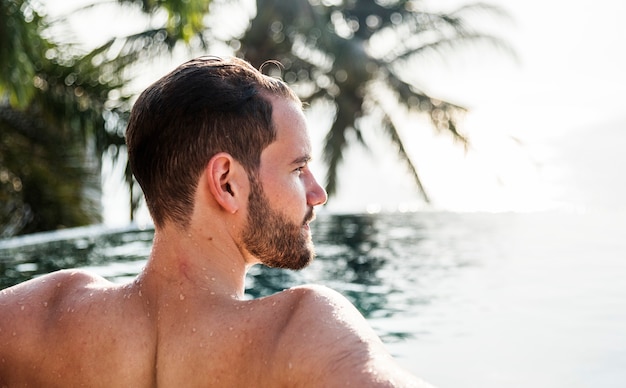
(547, 131)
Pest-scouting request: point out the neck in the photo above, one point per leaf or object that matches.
(195, 263)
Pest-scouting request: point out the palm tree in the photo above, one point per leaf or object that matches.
(333, 53)
(49, 107)
(62, 108)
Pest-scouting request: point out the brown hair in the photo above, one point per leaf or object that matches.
(205, 106)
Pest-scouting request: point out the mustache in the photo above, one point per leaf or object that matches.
(310, 216)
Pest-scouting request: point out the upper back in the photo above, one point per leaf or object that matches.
(71, 329)
(74, 329)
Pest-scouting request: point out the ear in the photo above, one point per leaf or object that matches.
(224, 175)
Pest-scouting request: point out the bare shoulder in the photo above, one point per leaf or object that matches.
(327, 342)
(26, 304)
(70, 328)
(46, 286)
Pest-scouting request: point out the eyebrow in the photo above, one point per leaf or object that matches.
(302, 159)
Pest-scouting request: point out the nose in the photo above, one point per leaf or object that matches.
(316, 195)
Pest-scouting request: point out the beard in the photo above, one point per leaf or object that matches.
(272, 238)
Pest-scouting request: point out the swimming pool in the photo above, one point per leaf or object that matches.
(477, 299)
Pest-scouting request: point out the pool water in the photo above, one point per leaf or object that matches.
(480, 300)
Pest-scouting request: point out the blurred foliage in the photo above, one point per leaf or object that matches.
(50, 111)
(62, 108)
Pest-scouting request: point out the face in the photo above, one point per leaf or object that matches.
(281, 201)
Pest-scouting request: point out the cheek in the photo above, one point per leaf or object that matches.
(290, 197)
(285, 193)
(293, 191)
(275, 189)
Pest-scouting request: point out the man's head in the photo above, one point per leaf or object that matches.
(205, 106)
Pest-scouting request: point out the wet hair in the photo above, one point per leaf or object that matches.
(205, 106)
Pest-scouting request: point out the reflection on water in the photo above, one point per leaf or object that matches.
(374, 260)
(24, 257)
(379, 262)
(351, 256)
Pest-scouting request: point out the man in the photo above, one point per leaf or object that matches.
(221, 153)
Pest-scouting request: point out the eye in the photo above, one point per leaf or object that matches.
(300, 169)
(301, 165)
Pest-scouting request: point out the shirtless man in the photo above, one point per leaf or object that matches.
(221, 153)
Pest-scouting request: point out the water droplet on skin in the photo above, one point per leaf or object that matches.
(290, 366)
(182, 297)
(274, 303)
(230, 328)
(211, 334)
(91, 294)
(45, 304)
(22, 308)
(139, 293)
(213, 279)
(193, 329)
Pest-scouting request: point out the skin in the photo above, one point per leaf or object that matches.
(184, 320)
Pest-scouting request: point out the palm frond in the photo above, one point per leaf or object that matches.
(392, 132)
(348, 109)
(444, 115)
